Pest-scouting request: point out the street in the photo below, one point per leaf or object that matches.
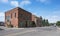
(37, 31)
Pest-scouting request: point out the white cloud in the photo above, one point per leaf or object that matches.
(56, 12)
(4, 1)
(45, 1)
(14, 3)
(53, 19)
(24, 2)
(2, 16)
(42, 0)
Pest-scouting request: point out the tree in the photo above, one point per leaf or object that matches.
(45, 23)
(58, 23)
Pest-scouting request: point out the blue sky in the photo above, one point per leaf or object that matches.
(48, 9)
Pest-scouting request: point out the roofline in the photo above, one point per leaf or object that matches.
(11, 9)
(19, 8)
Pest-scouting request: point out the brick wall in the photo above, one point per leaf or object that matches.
(13, 19)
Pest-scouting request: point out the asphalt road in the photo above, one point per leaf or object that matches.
(37, 31)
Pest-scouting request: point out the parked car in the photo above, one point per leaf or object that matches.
(1, 23)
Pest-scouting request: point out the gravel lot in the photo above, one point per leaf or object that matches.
(37, 31)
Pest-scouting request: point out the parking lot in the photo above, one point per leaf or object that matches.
(37, 31)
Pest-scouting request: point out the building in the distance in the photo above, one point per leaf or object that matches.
(19, 17)
(37, 20)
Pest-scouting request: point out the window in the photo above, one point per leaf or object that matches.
(8, 18)
(27, 18)
(21, 24)
(21, 15)
(15, 15)
(11, 15)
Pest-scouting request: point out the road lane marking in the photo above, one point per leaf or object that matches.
(7, 29)
(14, 34)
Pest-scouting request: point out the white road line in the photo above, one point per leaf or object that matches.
(15, 28)
(14, 34)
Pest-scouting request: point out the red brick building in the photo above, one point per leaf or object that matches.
(19, 17)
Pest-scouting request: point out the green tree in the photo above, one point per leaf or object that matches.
(45, 23)
(58, 23)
